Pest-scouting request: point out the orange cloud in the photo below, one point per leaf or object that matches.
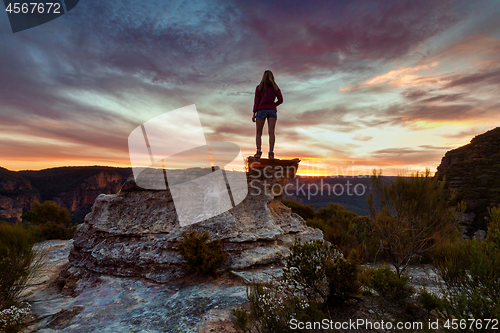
(398, 77)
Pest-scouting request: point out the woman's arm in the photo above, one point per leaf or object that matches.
(256, 100)
(280, 98)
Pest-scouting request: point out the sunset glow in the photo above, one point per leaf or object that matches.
(360, 92)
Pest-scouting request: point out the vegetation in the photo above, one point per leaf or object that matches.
(341, 227)
(469, 270)
(49, 221)
(388, 284)
(203, 256)
(428, 301)
(414, 217)
(316, 277)
(321, 273)
(14, 319)
(19, 263)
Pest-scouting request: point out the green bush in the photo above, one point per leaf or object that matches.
(471, 279)
(320, 271)
(49, 221)
(388, 284)
(428, 301)
(19, 262)
(274, 305)
(202, 255)
(494, 225)
(344, 229)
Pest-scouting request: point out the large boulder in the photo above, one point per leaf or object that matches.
(134, 233)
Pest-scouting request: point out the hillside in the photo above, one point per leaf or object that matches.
(16, 195)
(474, 171)
(74, 188)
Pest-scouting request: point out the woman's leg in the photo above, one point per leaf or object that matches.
(271, 124)
(258, 136)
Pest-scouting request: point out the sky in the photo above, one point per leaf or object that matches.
(391, 85)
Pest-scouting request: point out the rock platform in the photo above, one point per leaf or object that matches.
(134, 233)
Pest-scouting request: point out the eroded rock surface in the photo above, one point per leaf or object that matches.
(134, 233)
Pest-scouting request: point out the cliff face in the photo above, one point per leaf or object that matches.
(474, 172)
(134, 233)
(76, 188)
(16, 195)
(80, 200)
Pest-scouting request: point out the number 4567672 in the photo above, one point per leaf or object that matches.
(34, 7)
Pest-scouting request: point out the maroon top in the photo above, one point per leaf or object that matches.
(267, 102)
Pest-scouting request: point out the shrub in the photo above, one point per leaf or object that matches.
(493, 234)
(49, 221)
(13, 319)
(241, 318)
(346, 230)
(428, 301)
(19, 262)
(343, 279)
(414, 217)
(471, 279)
(321, 273)
(389, 285)
(315, 276)
(274, 305)
(202, 255)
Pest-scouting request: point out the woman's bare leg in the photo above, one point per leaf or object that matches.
(271, 124)
(258, 136)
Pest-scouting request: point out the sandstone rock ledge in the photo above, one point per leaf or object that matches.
(133, 233)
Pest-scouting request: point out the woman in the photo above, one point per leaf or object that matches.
(264, 107)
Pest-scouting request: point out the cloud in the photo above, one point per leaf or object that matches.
(483, 78)
(404, 76)
(405, 156)
(435, 147)
(362, 138)
(466, 134)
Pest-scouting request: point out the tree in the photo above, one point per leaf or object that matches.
(19, 262)
(48, 212)
(412, 216)
(49, 221)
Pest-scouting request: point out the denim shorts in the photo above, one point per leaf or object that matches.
(267, 113)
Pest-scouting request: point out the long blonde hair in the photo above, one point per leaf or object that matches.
(267, 81)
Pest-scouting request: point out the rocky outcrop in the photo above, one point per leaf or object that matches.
(16, 195)
(474, 172)
(134, 233)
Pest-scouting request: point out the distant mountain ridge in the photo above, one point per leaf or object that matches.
(16, 195)
(74, 188)
(474, 172)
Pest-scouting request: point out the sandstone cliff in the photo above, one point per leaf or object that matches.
(474, 171)
(16, 195)
(133, 233)
(76, 188)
